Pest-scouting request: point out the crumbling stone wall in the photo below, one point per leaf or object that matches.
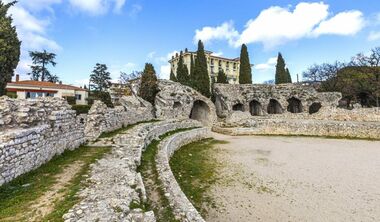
(261, 99)
(102, 119)
(33, 131)
(176, 101)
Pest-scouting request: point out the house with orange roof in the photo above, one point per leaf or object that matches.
(30, 89)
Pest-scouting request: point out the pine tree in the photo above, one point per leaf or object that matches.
(100, 77)
(222, 78)
(9, 47)
(289, 77)
(201, 79)
(149, 86)
(245, 72)
(281, 76)
(172, 76)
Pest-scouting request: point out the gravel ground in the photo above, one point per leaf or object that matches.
(297, 179)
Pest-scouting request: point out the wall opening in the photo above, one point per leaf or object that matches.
(295, 105)
(238, 107)
(200, 112)
(255, 108)
(314, 108)
(274, 107)
(177, 105)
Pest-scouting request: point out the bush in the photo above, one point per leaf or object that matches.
(105, 97)
(81, 109)
(12, 95)
(71, 100)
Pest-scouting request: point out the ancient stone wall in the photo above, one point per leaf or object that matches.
(176, 101)
(102, 119)
(33, 131)
(305, 127)
(182, 207)
(261, 99)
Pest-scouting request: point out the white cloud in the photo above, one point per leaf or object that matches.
(136, 9)
(220, 53)
(97, 7)
(344, 23)
(224, 32)
(165, 71)
(373, 36)
(270, 64)
(151, 55)
(277, 25)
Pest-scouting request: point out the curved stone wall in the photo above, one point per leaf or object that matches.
(261, 99)
(306, 127)
(114, 182)
(182, 207)
(176, 101)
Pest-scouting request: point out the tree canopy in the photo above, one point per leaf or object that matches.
(222, 77)
(182, 71)
(245, 72)
(201, 79)
(39, 68)
(100, 77)
(149, 84)
(282, 73)
(9, 47)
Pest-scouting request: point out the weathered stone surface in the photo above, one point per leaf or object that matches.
(182, 207)
(114, 181)
(230, 96)
(176, 101)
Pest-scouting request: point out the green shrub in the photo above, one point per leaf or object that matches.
(105, 97)
(71, 100)
(12, 95)
(81, 109)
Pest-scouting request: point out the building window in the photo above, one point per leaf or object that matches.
(49, 95)
(78, 96)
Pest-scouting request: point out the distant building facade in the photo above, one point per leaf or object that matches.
(230, 67)
(29, 89)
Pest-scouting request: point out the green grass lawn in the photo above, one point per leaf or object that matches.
(16, 197)
(195, 169)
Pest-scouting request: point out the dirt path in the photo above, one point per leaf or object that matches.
(297, 179)
(44, 205)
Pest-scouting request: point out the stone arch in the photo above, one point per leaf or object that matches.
(200, 111)
(315, 107)
(238, 107)
(295, 105)
(274, 107)
(255, 108)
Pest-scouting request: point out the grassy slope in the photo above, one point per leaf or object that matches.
(17, 195)
(195, 169)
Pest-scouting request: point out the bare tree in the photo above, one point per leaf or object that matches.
(326, 74)
(127, 79)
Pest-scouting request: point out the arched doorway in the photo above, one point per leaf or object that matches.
(238, 107)
(295, 105)
(314, 108)
(274, 107)
(255, 108)
(200, 112)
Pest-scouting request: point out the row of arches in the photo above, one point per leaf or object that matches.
(274, 107)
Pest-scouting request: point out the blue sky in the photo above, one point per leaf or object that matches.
(124, 34)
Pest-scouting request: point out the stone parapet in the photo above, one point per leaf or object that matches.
(182, 207)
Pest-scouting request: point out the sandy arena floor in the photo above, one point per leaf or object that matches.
(297, 179)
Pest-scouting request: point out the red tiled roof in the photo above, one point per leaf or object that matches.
(32, 83)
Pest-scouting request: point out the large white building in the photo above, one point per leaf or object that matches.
(29, 89)
(230, 67)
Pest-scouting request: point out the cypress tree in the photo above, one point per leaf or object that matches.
(148, 87)
(288, 76)
(281, 76)
(182, 71)
(192, 66)
(201, 78)
(222, 78)
(245, 72)
(172, 76)
(9, 46)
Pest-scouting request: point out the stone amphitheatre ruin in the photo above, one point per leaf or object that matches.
(33, 131)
